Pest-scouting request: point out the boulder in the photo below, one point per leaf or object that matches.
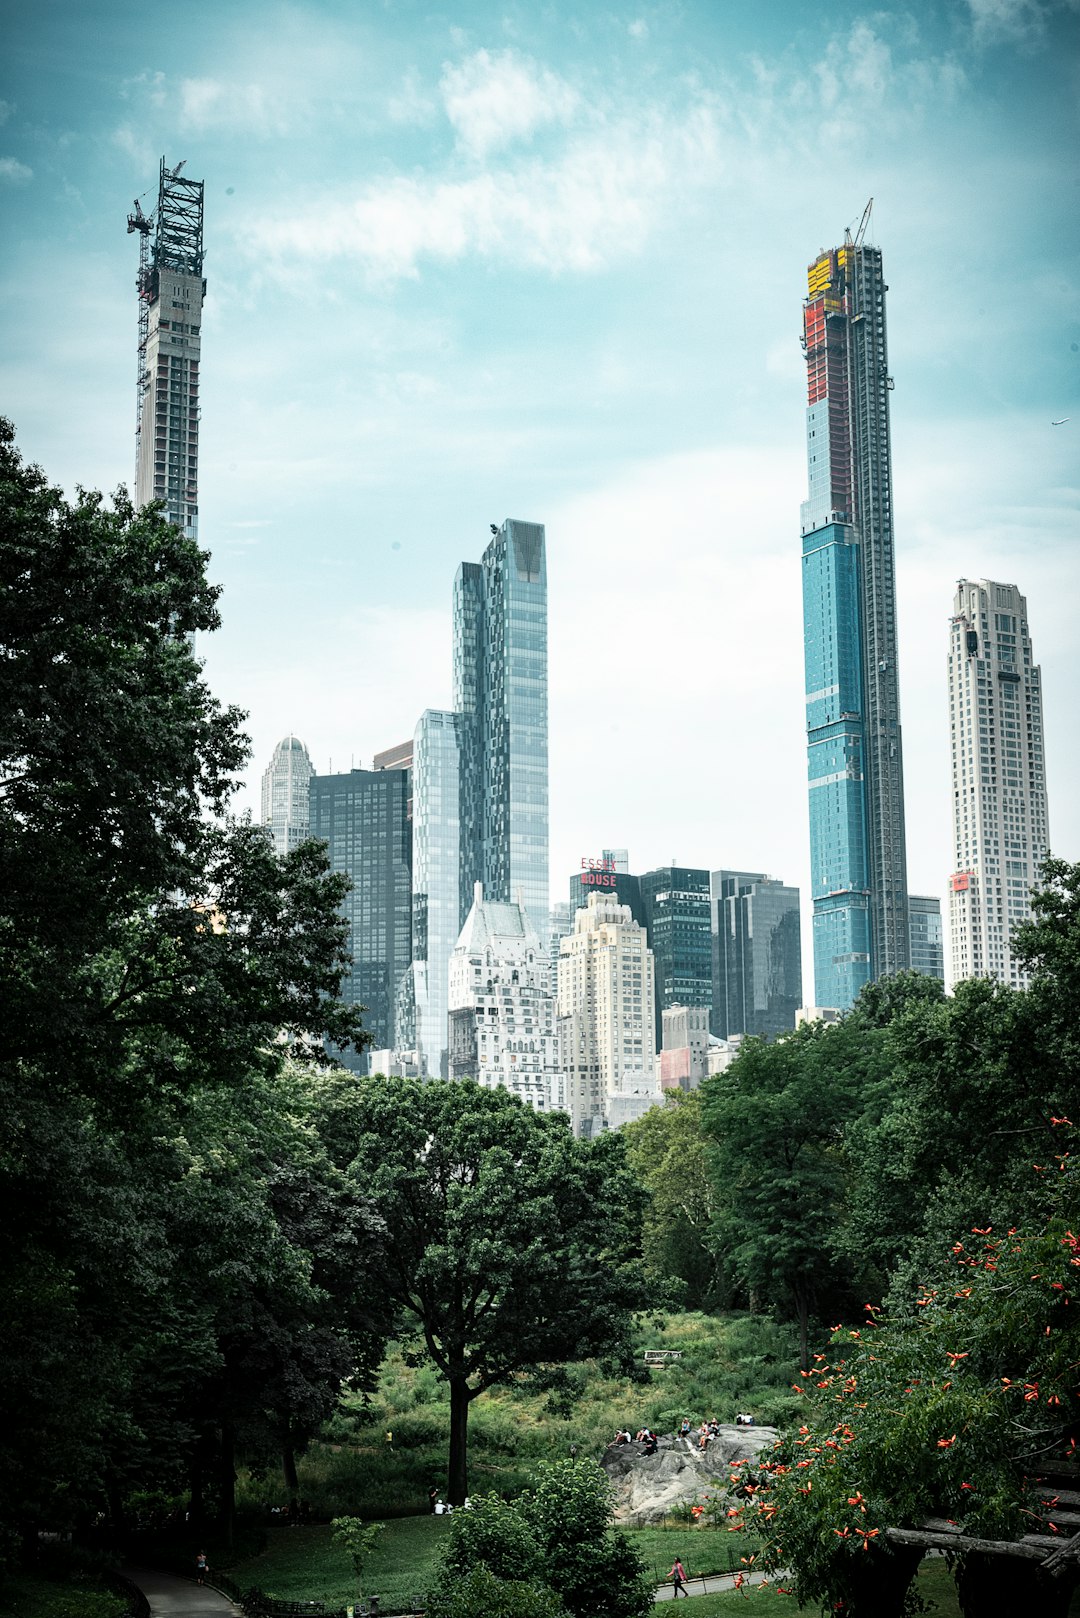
(649, 1487)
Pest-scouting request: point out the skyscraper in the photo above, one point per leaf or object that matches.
(607, 1028)
(500, 695)
(927, 938)
(857, 850)
(171, 292)
(286, 805)
(436, 867)
(1000, 834)
(502, 1010)
(675, 899)
(362, 816)
(757, 954)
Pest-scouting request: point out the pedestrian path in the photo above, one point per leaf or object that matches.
(709, 1585)
(172, 1597)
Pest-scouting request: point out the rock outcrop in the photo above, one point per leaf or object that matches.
(649, 1487)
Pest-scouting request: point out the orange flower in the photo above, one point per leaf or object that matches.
(946, 1443)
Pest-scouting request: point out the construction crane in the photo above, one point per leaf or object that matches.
(861, 232)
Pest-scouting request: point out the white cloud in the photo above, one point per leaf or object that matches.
(1013, 21)
(215, 104)
(14, 172)
(497, 97)
(596, 200)
(638, 29)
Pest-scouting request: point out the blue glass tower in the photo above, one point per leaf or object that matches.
(362, 816)
(858, 863)
(436, 875)
(500, 695)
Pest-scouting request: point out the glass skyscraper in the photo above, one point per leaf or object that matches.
(675, 899)
(858, 860)
(500, 696)
(285, 794)
(435, 897)
(362, 816)
(927, 936)
(757, 955)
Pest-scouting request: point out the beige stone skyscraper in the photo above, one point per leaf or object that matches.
(1000, 834)
(607, 1017)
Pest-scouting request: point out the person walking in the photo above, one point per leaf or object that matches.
(202, 1568)
(678, 1579)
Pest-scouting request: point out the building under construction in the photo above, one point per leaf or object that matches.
(858, 856)
(171, 292)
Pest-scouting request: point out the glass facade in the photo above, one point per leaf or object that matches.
(362, 816)
(500, 694)
(927, 936)
(840, 882)
(436, 875)
(675, 899)
(857, 837)
(286, 795)
(757, 955)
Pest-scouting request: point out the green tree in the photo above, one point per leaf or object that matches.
(510, 1245)
(358, 1539)
(778, 1120)
(668, 1151)
(151, 954)
(558, 1535)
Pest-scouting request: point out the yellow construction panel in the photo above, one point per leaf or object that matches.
(818, 275)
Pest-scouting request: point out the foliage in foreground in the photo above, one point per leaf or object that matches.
(950, 1407)
(557, 1537)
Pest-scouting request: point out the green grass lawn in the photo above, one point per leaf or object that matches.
(304, 1564)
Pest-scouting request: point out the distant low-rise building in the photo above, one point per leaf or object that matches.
(684, 1047)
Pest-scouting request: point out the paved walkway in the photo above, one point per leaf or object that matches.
(708, 1586)
(172, 1597)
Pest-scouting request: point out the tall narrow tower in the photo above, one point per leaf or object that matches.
(171, 292)
(857, 848)
(501, 697)
(1000, 835)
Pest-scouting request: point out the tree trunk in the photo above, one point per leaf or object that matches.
(879, 1582)
(1003, 1586)
(802, 1310)
(227, 1483)
(458, 1482)
(288, 1466)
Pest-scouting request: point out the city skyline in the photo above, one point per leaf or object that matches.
(385, 368)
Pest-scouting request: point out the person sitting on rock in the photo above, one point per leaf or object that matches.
(684, 1430)
(703, 1436)
(650, 1445)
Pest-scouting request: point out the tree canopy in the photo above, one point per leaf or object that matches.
(510, 1245)
(181, 1236)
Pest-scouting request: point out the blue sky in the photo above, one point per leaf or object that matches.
(547, 261)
